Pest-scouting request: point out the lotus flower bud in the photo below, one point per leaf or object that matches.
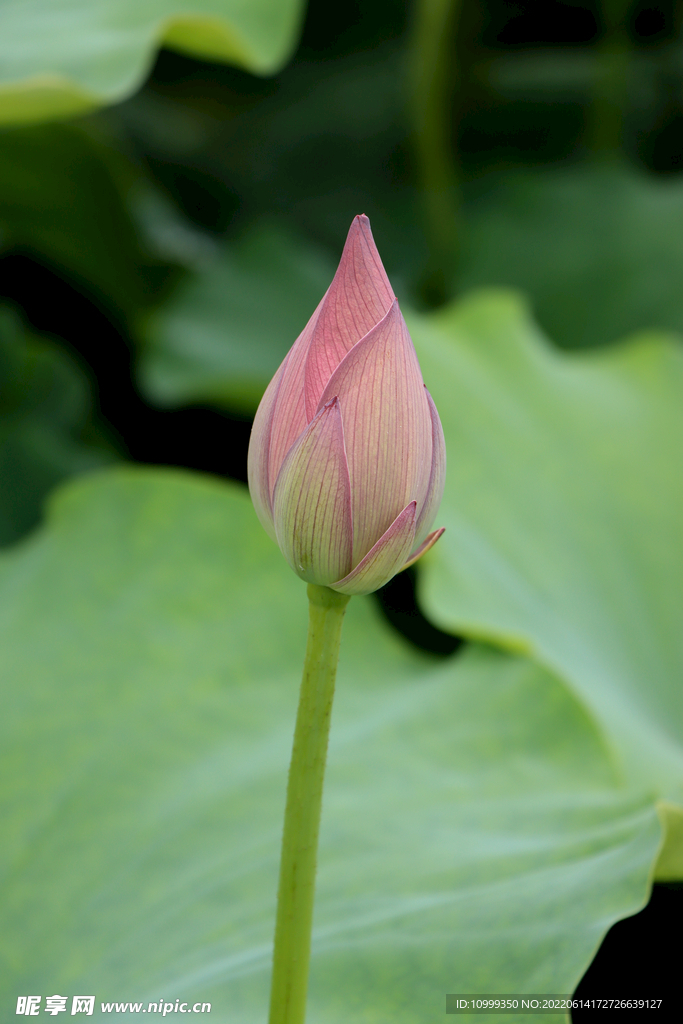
(347, 457)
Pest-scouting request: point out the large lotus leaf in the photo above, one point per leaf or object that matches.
(59, 58)
(62, 200)
(564, 516)
(225, 331)
(475, 834)
(598, 248)
(46, 429)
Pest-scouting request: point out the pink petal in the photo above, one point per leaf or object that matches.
(258, 458)
(311, 503)
(437, 477)
(384, 559)
(424, 546)
(387, 425)
(358, 298)
(289, 418)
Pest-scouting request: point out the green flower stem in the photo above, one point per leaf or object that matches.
(432, 63)
(296, 890)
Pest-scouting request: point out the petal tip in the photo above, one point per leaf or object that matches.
(384, 559)
(426, 544)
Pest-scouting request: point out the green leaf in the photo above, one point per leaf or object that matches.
(223, 334)
(564, 516)
(313, 149)
(553, 75)
(45, 429)
(669, 867)
(475, 834)
(63, 58)
(62, 200)
(598, 249)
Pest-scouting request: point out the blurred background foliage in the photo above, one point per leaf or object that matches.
(169, 219)
(139, 236)
(175, 242)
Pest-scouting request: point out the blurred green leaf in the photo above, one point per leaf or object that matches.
(669, 866)
(599, 249)
(475, 834)
(560, 73)
(45, 429)
(564, 516)
(324, 141)
(63, 58)
(63, 200)
(225, 331)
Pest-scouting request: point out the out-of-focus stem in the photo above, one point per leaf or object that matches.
(299, 856)
(431, 76)
(606, 114)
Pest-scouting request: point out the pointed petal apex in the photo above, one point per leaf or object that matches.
(383, 560)
(424, 546)
(359, 296)
(312, 501)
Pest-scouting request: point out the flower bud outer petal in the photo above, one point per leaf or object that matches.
(387, 425)
(312, 501)
(258, 457)
(385, 559)
(358, 298)
(424, 546)
(288, 419)
(437, 477)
